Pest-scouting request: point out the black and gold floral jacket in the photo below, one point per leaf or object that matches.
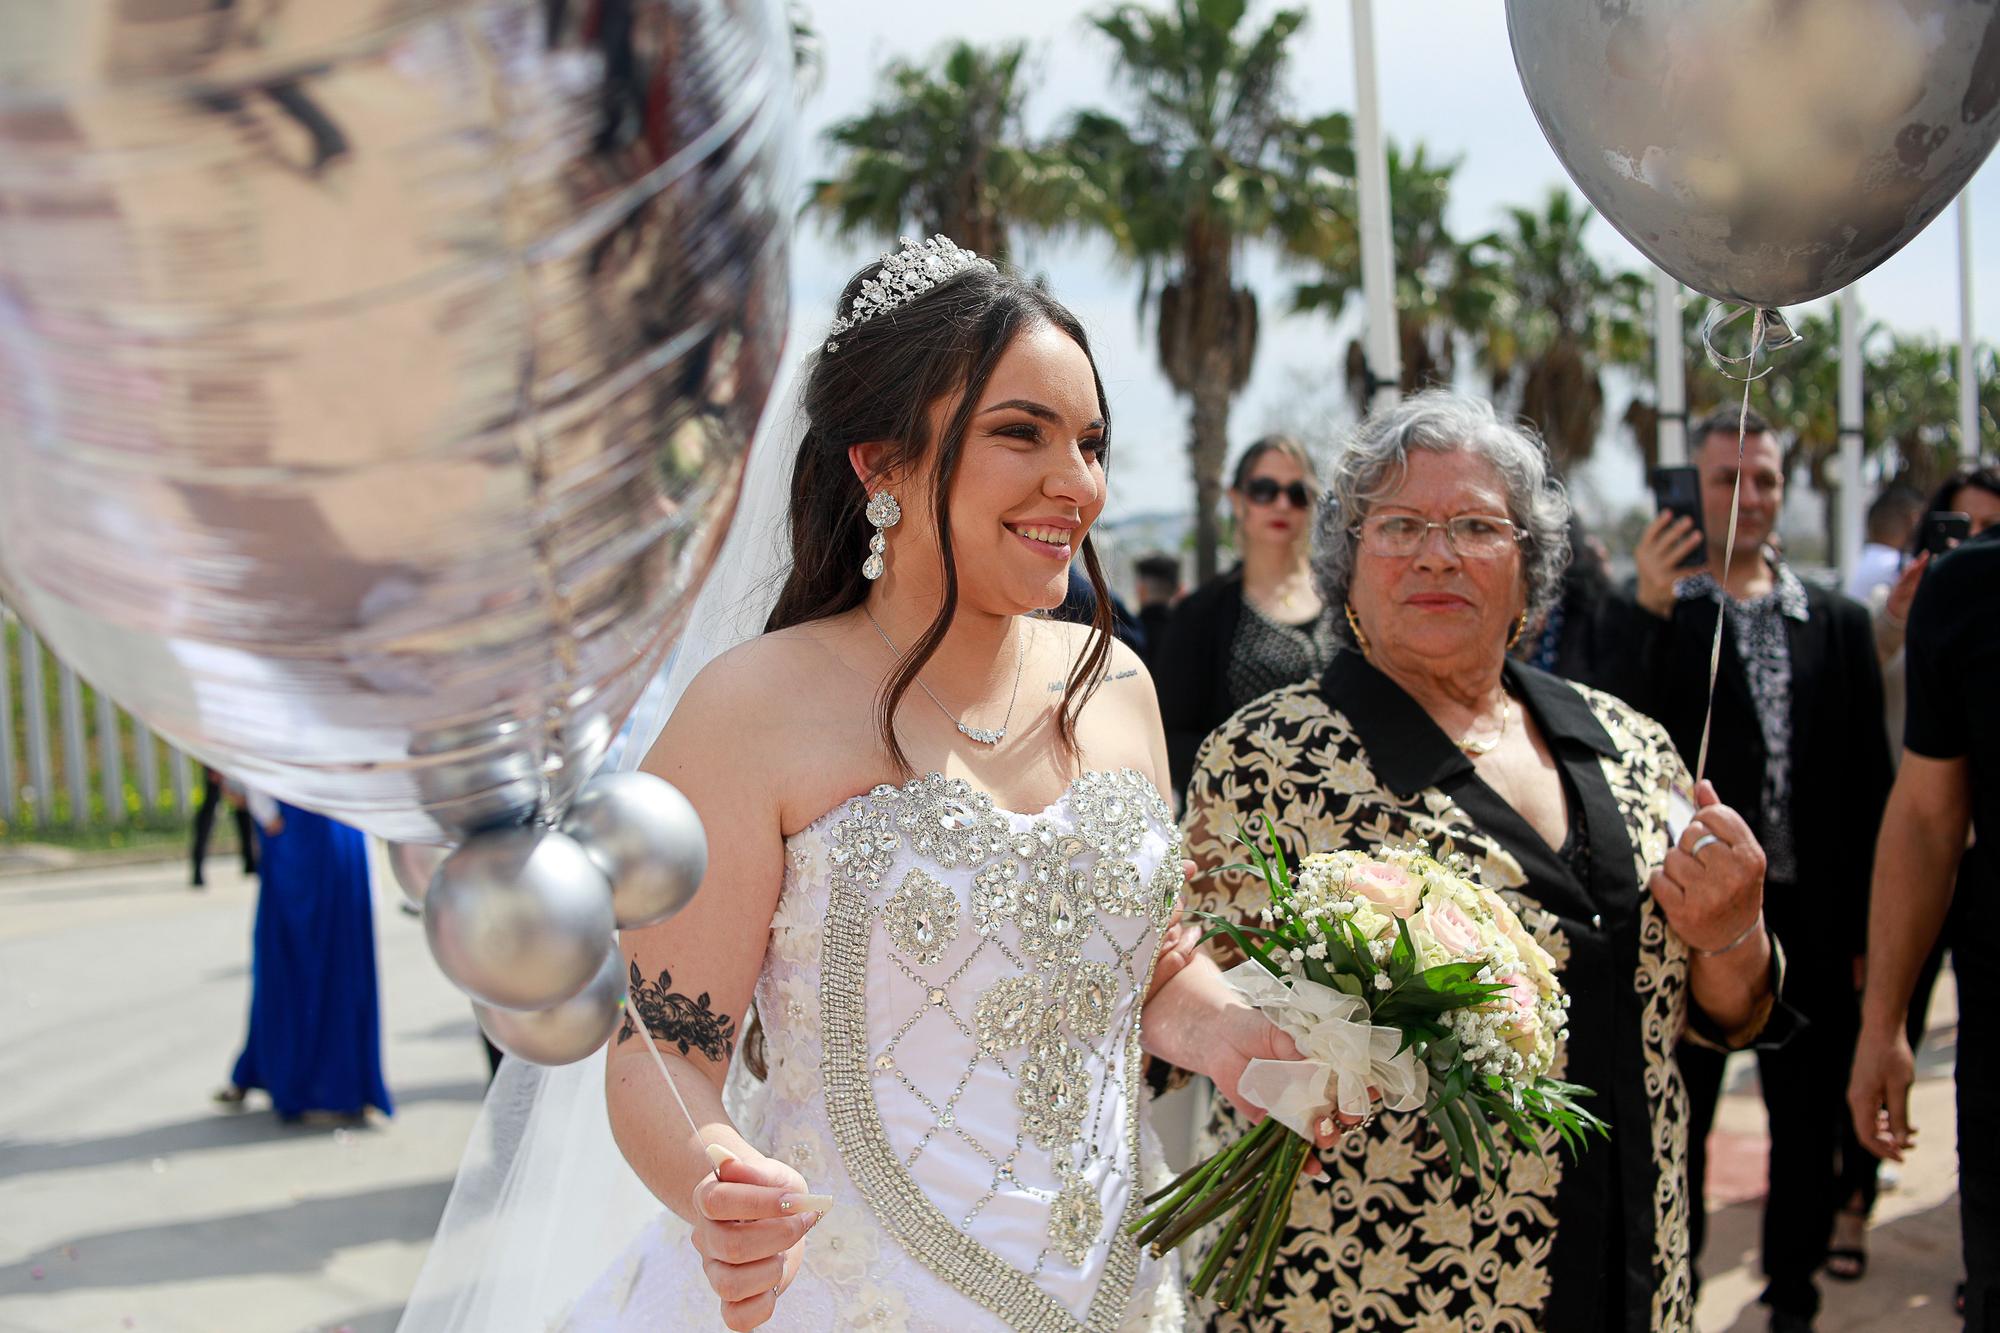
(1390, 1240)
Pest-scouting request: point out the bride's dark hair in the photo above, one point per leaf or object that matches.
(882, 385)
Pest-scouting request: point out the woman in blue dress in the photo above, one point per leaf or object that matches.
(315, 1033)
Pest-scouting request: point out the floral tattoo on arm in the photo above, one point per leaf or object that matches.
(673, 1019)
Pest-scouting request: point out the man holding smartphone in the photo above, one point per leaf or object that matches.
(1799, 746)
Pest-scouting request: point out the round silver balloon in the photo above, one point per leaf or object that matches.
(646, 838)
(413, 864)
(563, 1033)
(376, 376)
(1761, 152)
(519, 918)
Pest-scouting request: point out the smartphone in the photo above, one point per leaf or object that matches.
(1678, 490)
(1944, 529)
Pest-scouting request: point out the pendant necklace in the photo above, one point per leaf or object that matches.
(982, 735)
(1476, 748)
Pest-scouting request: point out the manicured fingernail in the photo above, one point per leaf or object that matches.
(804, 1203)
(1325, 1126)
(720, 1156)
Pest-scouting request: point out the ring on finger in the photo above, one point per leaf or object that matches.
(1705, 840)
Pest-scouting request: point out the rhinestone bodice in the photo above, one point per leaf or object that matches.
(951, 1004)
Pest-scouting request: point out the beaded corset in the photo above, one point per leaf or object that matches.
(951, 1009)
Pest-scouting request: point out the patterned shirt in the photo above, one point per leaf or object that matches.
(1758, 631)
(1269, 654)
(1390, 1240)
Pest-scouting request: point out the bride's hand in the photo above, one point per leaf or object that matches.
(1244, 1035)
(750, 1231)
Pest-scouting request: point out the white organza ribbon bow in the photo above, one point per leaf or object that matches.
(1344, 1054)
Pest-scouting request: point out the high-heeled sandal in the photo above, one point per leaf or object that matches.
(1849, 1263)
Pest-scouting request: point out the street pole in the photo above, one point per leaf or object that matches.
(1968, 373)
(1850, 516)
(1669, 368)
(1378, 260)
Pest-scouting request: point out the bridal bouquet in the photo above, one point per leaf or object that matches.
(1393, 971)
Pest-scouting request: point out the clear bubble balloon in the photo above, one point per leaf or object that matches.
(376, 376)
(646, 838)
(413, 864)
(563, 1033)
(1764, 151)
(519, 918)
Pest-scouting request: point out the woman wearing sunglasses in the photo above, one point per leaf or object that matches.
(1257, 628)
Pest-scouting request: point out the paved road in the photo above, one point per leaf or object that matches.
(127, 1202)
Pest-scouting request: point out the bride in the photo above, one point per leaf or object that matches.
(942, 873)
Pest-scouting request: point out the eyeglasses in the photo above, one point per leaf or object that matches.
(1470, 536)
(1263, 491)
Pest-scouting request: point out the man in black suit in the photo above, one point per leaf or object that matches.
(1798, 745)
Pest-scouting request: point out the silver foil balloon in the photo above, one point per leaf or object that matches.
(646, 838)
(519, 918)
(376, 376)
(413, 864)
(563, 1033)
(1764, 151)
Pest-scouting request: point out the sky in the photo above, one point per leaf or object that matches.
(1446, 78)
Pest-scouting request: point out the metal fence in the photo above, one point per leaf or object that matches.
(68, 754)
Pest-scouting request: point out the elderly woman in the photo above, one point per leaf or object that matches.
(1442, 535)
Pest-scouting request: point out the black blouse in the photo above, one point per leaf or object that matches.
(1389, 1240)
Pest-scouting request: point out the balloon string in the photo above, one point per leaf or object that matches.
(661, 1061)
(1757, 321)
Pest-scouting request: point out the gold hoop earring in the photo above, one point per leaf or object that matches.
(1520, 628)
(1354, 627)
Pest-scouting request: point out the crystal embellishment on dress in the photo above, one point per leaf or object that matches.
(1075, 1219)
(1111, 810)
(1058, 1035)
(945, 820)
(921, 917)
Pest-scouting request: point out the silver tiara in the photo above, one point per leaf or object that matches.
(907, 272)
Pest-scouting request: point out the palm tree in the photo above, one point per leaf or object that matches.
(1445, 288)
(945, 152)
(1561, 318)
(1212, 160)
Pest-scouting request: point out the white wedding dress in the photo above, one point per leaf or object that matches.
(951, 1005)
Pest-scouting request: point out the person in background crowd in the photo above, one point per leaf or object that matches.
(1947, 790)
(1080, 603)
(1564, 643)
(1797, 745)
(1257, 628)
(1892, 523)
(213, 794)
(315, 1040)
(1158, 578)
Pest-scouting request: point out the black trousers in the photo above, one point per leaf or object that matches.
(1804, 1084)
(204, 827)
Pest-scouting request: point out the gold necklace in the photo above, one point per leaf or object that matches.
(1475, 748)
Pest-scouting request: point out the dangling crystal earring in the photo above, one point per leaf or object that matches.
(883, 512)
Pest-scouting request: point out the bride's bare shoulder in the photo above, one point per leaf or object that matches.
(767, 681)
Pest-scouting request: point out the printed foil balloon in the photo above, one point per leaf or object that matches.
(1764, 151)
(376, 375)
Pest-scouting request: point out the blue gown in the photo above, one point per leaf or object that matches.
(315, 1027)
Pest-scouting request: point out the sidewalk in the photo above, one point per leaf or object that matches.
(128, 1202)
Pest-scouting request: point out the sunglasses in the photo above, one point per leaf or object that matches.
(1263, 491)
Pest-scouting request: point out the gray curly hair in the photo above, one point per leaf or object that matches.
(1371, 465)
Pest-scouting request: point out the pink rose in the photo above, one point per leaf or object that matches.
(1390, 887)
(1524, 1025)
(1453, 930)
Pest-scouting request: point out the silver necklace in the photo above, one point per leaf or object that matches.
(981, 734)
